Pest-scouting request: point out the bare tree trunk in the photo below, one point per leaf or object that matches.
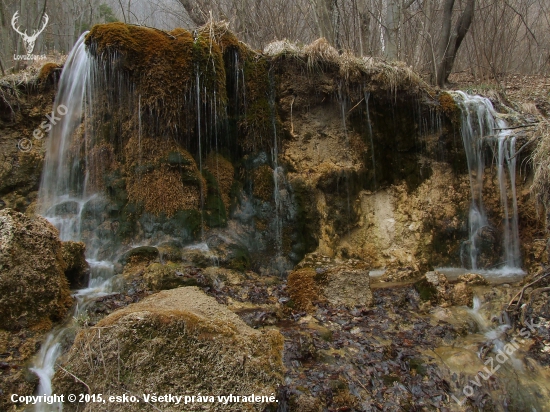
(197, 15)
(391, 38)
(392, 27)
(451, 40)
(324, 10)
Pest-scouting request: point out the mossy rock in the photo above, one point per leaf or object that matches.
(33, 286)
(319, 278)
(169, 276)
(148, 253)
(78, 270)
(238, 257)
(214, 208)
(50, 72)
(176, 341)
(263, 182)
(449, 107)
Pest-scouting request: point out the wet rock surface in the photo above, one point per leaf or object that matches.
(78, 270)
(34, 293)
(32, 279)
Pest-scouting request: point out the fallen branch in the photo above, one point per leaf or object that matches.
(520, 293)
(518, 127)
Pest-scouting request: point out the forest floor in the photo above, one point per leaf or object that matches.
(529, 93)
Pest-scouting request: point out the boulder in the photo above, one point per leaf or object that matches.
(33, 286)
(320, 278)
(178, 341)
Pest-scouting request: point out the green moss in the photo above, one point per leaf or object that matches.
(189, 219)
(418, 365)
(175, 158)
(425, 289)
(149, 57)
(256, 128)
(214, 209)
(240, 258)
(390, 379)
(449, 107)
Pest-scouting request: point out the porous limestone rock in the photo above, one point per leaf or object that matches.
(435, 287)
(473, 279)
(177, 341)
(320, 278)
(33, 286)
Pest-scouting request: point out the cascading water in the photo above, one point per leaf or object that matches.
(63, 198)
(480, 127)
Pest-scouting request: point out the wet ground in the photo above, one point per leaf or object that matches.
(400, 354)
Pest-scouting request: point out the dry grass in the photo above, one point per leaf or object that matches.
(283, 48)
(178, 341)
(392, 76)
(320, 51)
(162, 191)
(163, 185)
(303, 288)
(541, 165)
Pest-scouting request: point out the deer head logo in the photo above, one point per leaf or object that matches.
(28, 41)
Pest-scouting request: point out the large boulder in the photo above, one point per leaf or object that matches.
(320, 278)
(33, 286)
(177, 341)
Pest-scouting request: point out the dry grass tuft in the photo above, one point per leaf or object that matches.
(351, 66)
(176, 341)
(283, 48)
(541, 164)
(163, 176)
(391, 76)
(163, 191)
(320, 51)
(303, 288)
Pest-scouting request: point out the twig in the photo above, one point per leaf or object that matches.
(520, 293)
(76, 377)
(349, 111)
(521, 148)
(517, 127)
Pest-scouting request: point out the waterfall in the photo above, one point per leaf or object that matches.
(64, 195)
(480, 128)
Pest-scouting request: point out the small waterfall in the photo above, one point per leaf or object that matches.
(63, 196)
(480, 128)
(507, 152)
(277, 171)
